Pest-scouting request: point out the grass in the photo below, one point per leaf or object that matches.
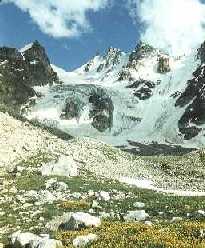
(112, 233)
(75, 205)
(134, 235)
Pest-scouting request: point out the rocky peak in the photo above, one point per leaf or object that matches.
(111, 58)
(201, 53)
(21, 70)
(112, 55)
(36, 53)
(141, 51)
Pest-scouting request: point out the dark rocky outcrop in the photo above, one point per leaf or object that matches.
(193, 99)
(125, 75)
(201, 53)
(111, 58)
(89, 98)
(156, 149)
(163, 64)
(20, 71)
(102, 110)
(141, 51)
(143, 88)
(72, 109)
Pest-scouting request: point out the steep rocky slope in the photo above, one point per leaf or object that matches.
(21, 70)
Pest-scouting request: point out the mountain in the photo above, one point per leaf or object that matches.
(22, 69)
(125, 99)
(54, 188)
(144, 96)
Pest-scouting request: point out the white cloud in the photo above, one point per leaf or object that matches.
(60, 18)
(172, 25)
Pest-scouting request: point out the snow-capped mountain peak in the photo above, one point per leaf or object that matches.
(139, 101)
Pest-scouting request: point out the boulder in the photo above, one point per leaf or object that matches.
(65, 166)
(73, 221)
(138, 215)
(54, 185)
(22, 240)
(30, 240)
(105, 196)
(83, 241)
(46, 243)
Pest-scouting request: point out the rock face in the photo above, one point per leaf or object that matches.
(20, 70)
(111, 58)
(194, 97)
(73, 108)
(141, 51)
(102, 110)
(142, 88)
(37, 66)
(163, 64)
(96, 100)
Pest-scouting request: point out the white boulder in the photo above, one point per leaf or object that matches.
(23, 240)
(73, 221)
(47, 243)
(83, 241)
(65, 166)
(105, 196)
(138, 215)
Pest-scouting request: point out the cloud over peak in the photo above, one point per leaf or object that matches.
(172, 25)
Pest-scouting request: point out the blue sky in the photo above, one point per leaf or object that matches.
(111, 26)
(73, 30)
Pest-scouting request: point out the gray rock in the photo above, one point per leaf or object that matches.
(47, 243)
(73, 221)
(83, 241)
(22, 240)
(25, 240)
(139, 215)
(65, 166)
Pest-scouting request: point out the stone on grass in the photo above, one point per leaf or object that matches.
(47, 243)
(139, 205)
(138, 215)
(54, 185)
(24, 240)
(105, 196)
(65, 166)
(201, 212)
(83, 241)
(73, 221)
(176, 219)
